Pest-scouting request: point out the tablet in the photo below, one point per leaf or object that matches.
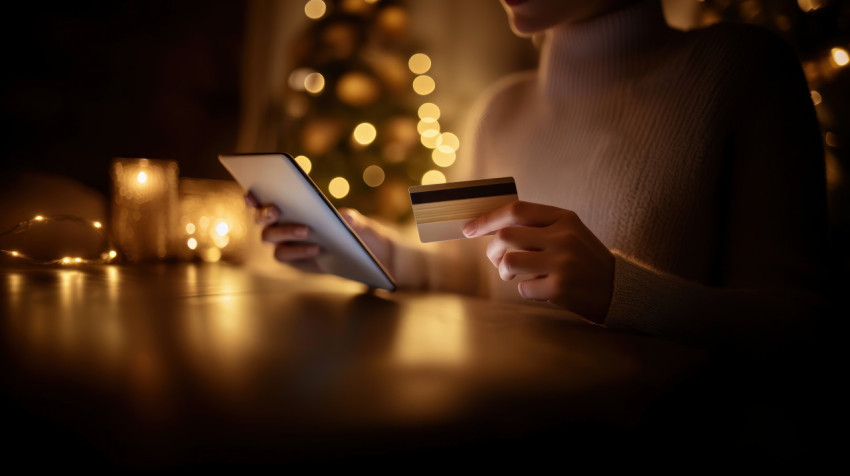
(277, 179)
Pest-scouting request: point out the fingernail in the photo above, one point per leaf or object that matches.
(267, 213)
(469, 229)
(302, 232)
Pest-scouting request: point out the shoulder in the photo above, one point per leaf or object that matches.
(497, 101)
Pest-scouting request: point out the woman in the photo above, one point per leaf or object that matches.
(672, 183)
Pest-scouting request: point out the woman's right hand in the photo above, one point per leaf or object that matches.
(291, 240)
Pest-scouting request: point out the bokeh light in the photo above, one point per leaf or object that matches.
(433, 176)
(373, 176)
(364, 133)
(315, 9)
(840, 56)
(429, 138)
(816, 97)
(419, 63)
(424, 125)
(423, 85)
(314, 83)
(142, 177)
(304, 163)
(338, 187)
(443, 156)
(429, 112)
(448, 140)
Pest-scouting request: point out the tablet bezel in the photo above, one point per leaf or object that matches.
(328, 208)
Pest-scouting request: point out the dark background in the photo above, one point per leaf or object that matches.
(88, 81)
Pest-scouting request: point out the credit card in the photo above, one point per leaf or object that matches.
(442, 209)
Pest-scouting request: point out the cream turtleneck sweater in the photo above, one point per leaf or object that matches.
(695, 157)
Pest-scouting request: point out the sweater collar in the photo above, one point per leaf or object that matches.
(577, 58)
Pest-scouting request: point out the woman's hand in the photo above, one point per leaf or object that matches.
(292, 240)
(568, 265)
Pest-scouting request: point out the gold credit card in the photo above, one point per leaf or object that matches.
(441, 210)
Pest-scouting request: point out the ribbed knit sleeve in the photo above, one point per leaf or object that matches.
(772, 229)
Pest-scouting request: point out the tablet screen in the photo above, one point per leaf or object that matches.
(277, 178)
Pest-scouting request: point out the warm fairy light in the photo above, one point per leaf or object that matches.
(314, 83)
(429, 138)
(816, 97)
(66, 260)
(426, 125)
(142, 177)
(373, 176)
(428, 111)
(809, 5)
(297, 78)
(211, 254)
(840, 56)
(14, 253)
(338, 187)
(433, 176)
(304, 163)
(419, 63)
(315, 9)
(443, 156)
(192, 243)
(365, 133)
(448, 140)
(423, 85)
(38, 218)
(112, 253)
(190, 228)
(221, 228)
(78, 260)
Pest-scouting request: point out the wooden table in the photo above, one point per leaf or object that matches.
(173, 364)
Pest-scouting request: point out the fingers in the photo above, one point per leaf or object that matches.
(267, 215)
(524, 262)
(514, 238)
(513, 214)
(251, 200)
(540, 289)
(293, 252)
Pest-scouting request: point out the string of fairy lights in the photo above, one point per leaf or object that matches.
(107, 256)
(443, 144)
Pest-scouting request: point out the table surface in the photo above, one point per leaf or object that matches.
(170, 364)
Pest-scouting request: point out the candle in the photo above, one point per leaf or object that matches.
(144, 207)
(213, 220)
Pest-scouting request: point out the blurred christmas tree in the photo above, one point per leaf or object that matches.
(355, 108)
(819, 32)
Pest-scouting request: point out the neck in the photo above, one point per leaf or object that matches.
(581, 55)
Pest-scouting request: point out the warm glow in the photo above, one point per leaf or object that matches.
(192, 243)
(338, 187)
(315, 9)
(38, 218)
(297, 78)
(373, 176)
(831, 139)
(433, 176)
(211, 255)
(840, 56)
(448, 140)
(365, 133)
(816, 97)
(222, 228)
(314, 83)
(429, 110)
(113, 253)
(427, 125)
(66, 260)
(443, 156)
(190, 228)
(78, 260)
(13, 253)
(419, 63)
(97, 224)
(429, 138)
(809, 5)
(304, 163)
(423, 85)
(142, 177)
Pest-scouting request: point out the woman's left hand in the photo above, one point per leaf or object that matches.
(569, 266)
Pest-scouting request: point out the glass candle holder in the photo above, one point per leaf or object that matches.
(144, 207)
(213, 221)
